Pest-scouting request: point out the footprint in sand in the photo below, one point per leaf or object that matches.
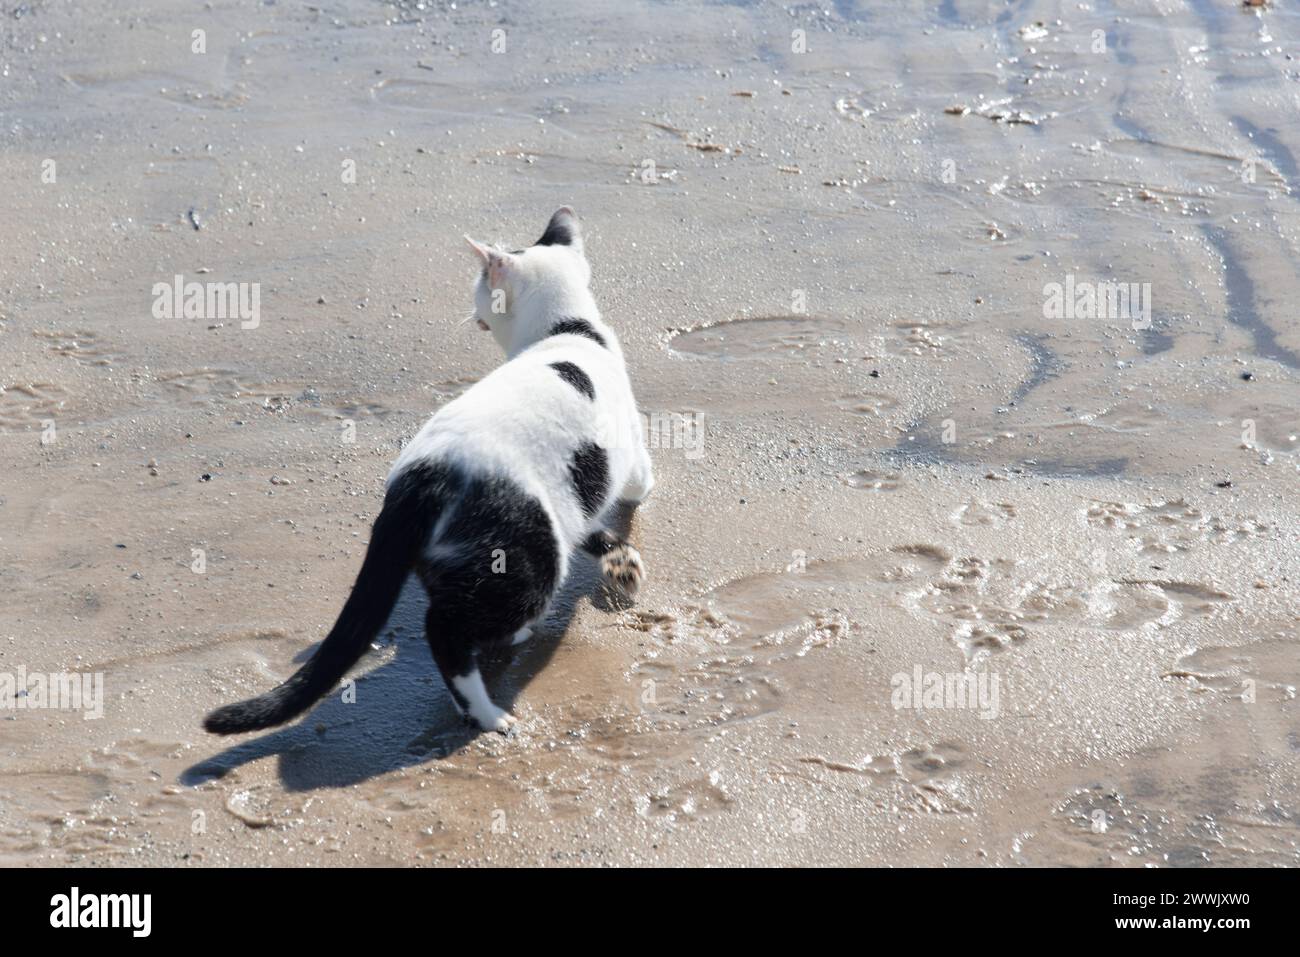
(984, 513)
(993, 605)
(929, 774)
(765, 337)
(688, 799)
(872, 404)
(1193, 597)
(26, 405)
(207, 383)
(771, 602)
(1171, 526)
(1245, 672)
(975, 637)
(988, 605)
(63, 812)
(413, 94)
(934, 772)
(454, 387)
(712, 687)
(927, 763)
(732, 653)
(920, 339)
(171, 87)
(873, 480)
(930, 338)
(81, 345)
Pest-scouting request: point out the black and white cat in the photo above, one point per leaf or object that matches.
(490, 498)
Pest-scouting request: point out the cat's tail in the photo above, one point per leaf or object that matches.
(412, 505)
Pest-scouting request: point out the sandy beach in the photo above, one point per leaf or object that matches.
(965, 334)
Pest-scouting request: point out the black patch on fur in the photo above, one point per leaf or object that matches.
(573, 326)
(557, 234)
(499, 572)
(589, 471)
(500, 569)
(574, 375)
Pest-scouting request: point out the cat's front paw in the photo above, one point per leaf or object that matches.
(622, 568)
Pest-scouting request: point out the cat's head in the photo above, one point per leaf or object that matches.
(520, 294)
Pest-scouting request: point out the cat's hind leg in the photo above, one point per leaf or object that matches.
(620, 562)
(479, 706)
(497, 568)
(453, 651)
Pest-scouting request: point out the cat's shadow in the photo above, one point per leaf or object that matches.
(401, 714)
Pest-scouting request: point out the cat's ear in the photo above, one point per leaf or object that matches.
(484, 253)
(497, 264)
(562, 230)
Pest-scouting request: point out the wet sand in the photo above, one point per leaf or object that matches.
(836, 260)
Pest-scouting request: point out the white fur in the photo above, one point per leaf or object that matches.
(524, 421)
(479, 705)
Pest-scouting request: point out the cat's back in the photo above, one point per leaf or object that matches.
(539, 405)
